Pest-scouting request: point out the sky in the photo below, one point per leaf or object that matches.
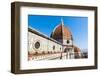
(77, 25)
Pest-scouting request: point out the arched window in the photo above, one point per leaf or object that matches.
(53, 47)
(60, 48)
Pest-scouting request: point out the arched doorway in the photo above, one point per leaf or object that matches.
(66, 50)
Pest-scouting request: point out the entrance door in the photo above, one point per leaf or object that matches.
(66, 50)
(69, 53)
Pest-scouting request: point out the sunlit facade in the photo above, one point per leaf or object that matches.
(58, 46)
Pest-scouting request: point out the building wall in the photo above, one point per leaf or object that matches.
(45, 44)
(52, 44)
(65, 42)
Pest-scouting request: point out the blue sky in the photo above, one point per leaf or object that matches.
(77, 25)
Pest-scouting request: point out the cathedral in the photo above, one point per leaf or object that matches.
(58, 46)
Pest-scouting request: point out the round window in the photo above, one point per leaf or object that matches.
(68, 41)
(37, 45)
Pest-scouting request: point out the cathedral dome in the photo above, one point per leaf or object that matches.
(61, 32)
